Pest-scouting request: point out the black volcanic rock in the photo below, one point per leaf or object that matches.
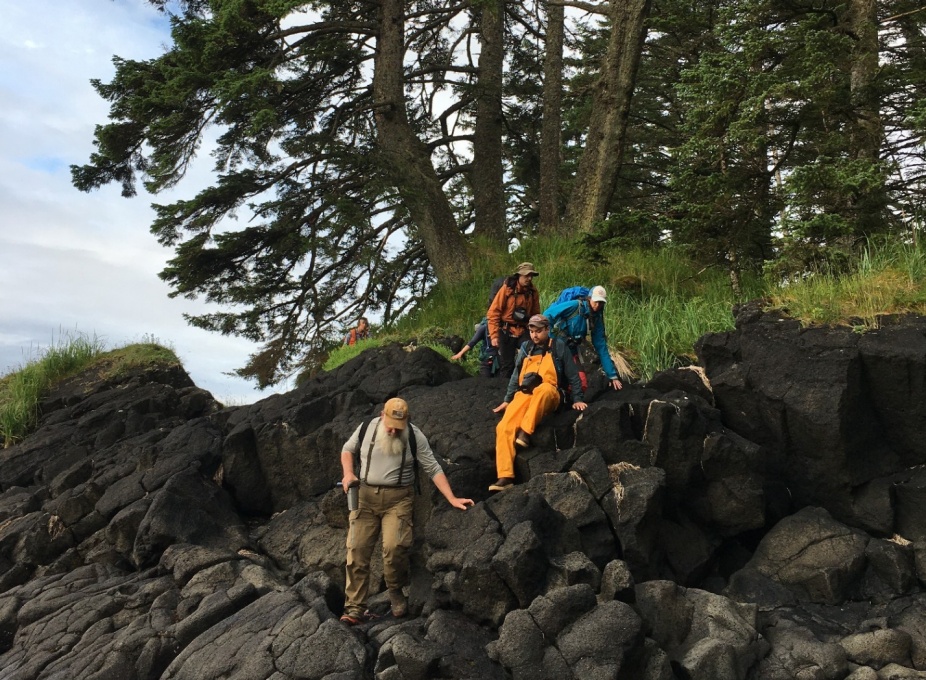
(834, 409)
(760, 519)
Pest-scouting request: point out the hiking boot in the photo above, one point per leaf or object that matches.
(522, 438)
(398, 602)
(353, 618)
(502, 484)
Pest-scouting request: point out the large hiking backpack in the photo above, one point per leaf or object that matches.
(496, 285)
(572, 293)
(568, 295)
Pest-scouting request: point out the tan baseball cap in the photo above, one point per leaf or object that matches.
(527, 268)
(395, 413)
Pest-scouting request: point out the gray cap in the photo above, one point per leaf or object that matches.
(538, 321)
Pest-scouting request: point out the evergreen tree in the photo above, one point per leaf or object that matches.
(785, 134)
(365, 142)
(338, 145)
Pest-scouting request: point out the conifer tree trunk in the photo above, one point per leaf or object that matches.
(867, 128)
(406, 158)
(550, 132)
(487, 174)
(604, 144)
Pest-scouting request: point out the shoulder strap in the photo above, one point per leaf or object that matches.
(363, 431)
(413, 447)
(557, 365)
(561, 326)
(413, 443)
(576, 310)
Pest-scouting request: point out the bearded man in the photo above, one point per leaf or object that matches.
(387, 478)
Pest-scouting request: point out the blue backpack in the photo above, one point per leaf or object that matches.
(573, 293)
(568, 295)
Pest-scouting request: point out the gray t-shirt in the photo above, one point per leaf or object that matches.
(384, 468)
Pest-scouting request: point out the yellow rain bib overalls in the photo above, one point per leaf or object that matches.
(526, 411)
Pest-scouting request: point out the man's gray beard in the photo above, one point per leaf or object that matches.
(391, 446)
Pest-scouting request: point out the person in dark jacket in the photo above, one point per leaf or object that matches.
(488, 357)
(543, 367)
(514, 303)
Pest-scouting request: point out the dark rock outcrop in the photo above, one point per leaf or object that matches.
(760, 518)
(839, 413)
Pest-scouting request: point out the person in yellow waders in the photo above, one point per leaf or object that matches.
(542, 367)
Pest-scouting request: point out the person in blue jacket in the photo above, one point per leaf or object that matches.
(575, 320)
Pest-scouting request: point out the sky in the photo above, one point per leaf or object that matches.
(73, 263)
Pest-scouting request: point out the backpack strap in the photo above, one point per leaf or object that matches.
(363, 431)
(562, 383)
(412, 445)
(561, 326)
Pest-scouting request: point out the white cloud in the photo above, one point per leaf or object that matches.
(75, 262)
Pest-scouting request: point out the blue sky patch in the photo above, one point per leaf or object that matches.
(48, 164)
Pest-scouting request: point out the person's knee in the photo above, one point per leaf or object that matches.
(508, 424)
(546, 398)
(546, 390)
(396, 553)
(400, 535)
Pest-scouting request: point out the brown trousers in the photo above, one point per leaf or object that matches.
(386, 510)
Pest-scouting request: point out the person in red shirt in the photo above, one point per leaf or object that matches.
(361, 332)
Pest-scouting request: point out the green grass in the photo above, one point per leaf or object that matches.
(890, 279)
(655, 325)
(21, 391)
(344, 353)
(426, 337)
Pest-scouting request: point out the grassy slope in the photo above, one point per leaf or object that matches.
(22, 390)
(656, 325)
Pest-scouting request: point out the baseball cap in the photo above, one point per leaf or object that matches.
(527, 268)
(395, 413)
(599, 294)
(538, 321)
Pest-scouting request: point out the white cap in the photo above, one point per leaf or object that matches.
(599, 294)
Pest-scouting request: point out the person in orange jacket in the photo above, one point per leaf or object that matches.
(543, 367)
(514, 303)
(361, 332)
